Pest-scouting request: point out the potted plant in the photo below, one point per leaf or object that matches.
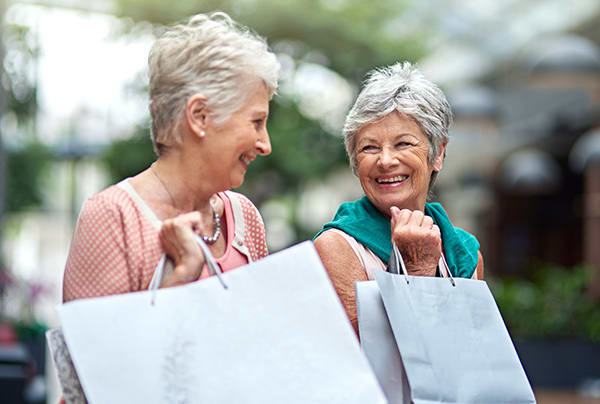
(554, 324)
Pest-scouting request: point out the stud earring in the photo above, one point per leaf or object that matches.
(202, 133)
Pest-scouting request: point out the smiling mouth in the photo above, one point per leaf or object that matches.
(245, 159)
(392, 180)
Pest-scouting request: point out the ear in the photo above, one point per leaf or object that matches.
(438, 162)
(196, 113)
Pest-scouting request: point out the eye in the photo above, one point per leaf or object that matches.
(368, 148)
(258, 123)
(403, 144)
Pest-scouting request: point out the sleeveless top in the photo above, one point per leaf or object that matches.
(369, 260)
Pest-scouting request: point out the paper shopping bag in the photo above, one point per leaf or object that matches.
(452, 340)
(378, 344)
(273, 331)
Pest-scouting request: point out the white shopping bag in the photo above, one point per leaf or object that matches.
(378, 344)
(276, 334)
(452, 340)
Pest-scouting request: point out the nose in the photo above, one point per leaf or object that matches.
(263, 143)
(387, 158)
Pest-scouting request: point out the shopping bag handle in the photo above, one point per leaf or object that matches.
(397, 263)
(213, 268)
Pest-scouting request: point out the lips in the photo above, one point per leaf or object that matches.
(391, 180)
(246, 159)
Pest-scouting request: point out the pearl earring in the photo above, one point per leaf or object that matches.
(202, 133)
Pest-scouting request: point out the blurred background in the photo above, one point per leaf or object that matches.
(522, 170)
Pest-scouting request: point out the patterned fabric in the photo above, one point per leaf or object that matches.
(254, 236)
(69, 381)
(115, 248)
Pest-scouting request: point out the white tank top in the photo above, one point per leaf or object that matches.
(369, 260)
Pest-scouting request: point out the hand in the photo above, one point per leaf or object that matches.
(177, 237)
(418, 239)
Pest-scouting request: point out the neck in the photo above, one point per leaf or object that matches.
(187, 192)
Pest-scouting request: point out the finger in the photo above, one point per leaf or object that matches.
(404, 216)
(191, 218)
(398, 223)
(177, 238)
(416, 218)
(166, 229)
(170, 242)
(436, 234)
(427, 222)
(395, 214)
(191, 221)
(198, 224)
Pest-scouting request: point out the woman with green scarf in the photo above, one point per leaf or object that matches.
(395, 135)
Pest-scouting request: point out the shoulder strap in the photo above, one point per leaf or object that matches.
(239, 220)
(144, 208)
(238, 215)
(163, 269)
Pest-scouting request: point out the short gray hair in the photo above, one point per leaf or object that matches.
(212, 55)
(400, 87)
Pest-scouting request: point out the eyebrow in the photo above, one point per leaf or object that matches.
(260, 113)
(365, 139)
(402, 135)
(373, 139)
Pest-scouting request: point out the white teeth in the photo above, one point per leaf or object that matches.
(245, 159)
(393, 179)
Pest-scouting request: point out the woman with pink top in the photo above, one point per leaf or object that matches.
(211, 81)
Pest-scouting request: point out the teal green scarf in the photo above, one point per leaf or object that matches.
(368, 226)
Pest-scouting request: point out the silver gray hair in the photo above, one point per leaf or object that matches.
(211, 55)
(400, 87)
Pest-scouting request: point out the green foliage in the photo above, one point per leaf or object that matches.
(28, 330)
(302, 150)
(353, 36)
(27, 160)
(19, 61)
(26, 168)
(127, 157)
(348, 37)
(553, 305)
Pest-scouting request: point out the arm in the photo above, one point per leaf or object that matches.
(343, 268)
(478, 274)
(98, 261)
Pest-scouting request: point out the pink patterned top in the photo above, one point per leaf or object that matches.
(116, 248)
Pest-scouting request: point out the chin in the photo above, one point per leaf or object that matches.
(385, 205)
(236, 183)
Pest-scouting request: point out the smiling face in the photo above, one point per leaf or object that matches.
(236, 142)
(392, 163)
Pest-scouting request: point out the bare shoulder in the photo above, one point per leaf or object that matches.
(338, 256)
(331, 244)
(330, 239)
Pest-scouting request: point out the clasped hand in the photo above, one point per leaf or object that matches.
(178, 239)
(418, 239)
